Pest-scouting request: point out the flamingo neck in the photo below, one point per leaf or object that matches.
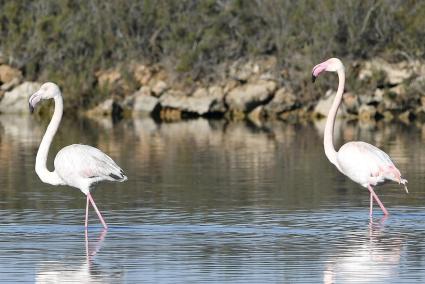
(41, 159)
(330, 122)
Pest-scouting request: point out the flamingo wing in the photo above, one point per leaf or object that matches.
(81, 162)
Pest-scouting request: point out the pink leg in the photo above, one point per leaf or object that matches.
(87, 213)
(377, 200)
(97, 210)
(371, 205)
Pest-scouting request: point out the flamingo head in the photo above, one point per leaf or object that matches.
(47, 91)
(330, 65)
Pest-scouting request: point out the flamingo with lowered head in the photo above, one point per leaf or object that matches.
(76, 165)
(360, 161)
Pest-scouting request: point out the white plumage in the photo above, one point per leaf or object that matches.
(76, 165)
(367, 164)
(81, 166)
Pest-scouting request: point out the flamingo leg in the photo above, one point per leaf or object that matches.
(371, 205)
(87, 213)
(377, 200)
(97, 210)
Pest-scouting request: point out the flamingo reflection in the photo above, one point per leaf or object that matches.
(375, 259)
(87, 272)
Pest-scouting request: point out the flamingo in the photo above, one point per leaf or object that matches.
(361, 162)
(77, 165)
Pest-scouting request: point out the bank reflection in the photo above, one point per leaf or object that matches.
(275, 161)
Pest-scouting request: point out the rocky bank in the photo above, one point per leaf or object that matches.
(252, 89)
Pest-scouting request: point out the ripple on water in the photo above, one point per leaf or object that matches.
(211, 201)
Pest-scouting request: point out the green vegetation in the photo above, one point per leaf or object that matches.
(69, 40)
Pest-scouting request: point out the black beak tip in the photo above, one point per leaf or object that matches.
(31, 108)
(313, 78)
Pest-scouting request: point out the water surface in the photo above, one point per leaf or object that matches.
(211, 201)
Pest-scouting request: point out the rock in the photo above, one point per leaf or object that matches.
(144, 104)
(141, 101)
(417, 86)
(217, 93)
(199, 93)
(159, 88)
(7, 74)
(283, 100)
(113, 81)
(202, 101)
(102, 109)
(395, 73)
(145, 90)
(11, 84)
(351, 103)
(268, 76)
(268, 63)
(247, 97)
(324, 105)
(400, 90)
(243, 71)
(16, 100)
(108, 78)
(230, 85)
(367, 112)
(142, 74)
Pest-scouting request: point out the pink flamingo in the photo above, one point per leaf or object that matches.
(76, 165)
(360, 161)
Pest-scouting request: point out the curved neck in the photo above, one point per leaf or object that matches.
(329, 128)
(41, 159)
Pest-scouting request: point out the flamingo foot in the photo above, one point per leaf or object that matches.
(97, 210)
(377, 200)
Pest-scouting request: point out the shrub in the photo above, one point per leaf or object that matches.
(69, 40)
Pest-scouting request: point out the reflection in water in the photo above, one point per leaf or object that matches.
(370, 260)
(211, 200)
(87, 272)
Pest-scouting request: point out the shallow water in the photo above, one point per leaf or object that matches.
(211, 201)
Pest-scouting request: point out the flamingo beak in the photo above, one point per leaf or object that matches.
(317, 70)
(31, 108)
(34, 99)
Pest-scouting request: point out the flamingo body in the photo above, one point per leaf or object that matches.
(367, 164)
(361, 162)
(82, 166)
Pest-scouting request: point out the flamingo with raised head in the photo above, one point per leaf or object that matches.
(360, 161)
(76, 165)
